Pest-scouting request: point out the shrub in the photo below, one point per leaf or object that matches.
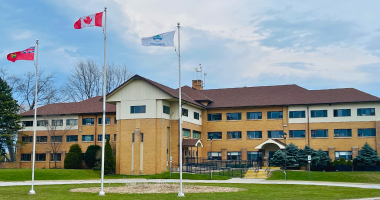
(278, 159)
(303, 154)
(109, 162)
(324, 159)
(342, 161)
(335, 163)
(73, 159)
(367, 156)
(92, 156)
(349, 163)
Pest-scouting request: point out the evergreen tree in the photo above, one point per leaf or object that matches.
(73, 159)
(303, 154)
(9, 121)
(92, 155)
(278, 159)
(342, 161)
(324, 159)
(291, 154)
(367, 156)
(109, 161)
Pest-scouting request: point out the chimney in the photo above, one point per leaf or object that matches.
(198, 84)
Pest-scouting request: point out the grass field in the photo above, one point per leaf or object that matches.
(253, 192)
(354, 177)
(85, 174)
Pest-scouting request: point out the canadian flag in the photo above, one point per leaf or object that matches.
(89, 21)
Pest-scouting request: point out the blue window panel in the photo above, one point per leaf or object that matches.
(254, 134)
(138, 109)
(214, 117)
(342, 113)
(366, 112)
(319, 133)
(274, 115)
(233, 116)
(297, 134)
(369, 132)
(254, 115)
(214, 135)
(275, 134)
(342, 133)
(296, 114)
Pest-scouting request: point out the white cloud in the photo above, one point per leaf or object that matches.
(20, 35)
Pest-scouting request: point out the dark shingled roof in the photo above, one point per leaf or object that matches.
(189, 142)
(92, 105)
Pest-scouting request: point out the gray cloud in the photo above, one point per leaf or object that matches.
(295, 65)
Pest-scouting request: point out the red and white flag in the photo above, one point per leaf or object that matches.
(89, 21)
(27, 54)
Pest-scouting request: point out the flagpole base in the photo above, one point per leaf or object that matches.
(31, 192)
(102, 193)
(181, 194)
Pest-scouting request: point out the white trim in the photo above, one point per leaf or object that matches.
(270, 141)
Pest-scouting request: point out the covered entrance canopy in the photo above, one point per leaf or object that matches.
(192, 143)
(271, 142)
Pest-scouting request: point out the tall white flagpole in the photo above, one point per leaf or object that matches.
(34, 123)
(180, 194)
(101, 193)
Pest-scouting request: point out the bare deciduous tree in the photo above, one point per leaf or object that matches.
(56, 131)
(86, 80)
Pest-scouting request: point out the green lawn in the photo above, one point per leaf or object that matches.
(85, 174)
(354, 177)
(254, 191)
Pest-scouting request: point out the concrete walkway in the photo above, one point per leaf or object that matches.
(233, 180)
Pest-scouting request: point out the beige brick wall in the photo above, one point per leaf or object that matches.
(82, 130)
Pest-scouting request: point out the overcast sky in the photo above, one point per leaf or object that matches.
(314, 44)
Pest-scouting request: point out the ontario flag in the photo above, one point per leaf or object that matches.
(27, 54)
(89, 21)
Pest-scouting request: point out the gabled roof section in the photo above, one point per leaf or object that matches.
(280, 144)
(89, 106)
(170, 91)
(192, 143)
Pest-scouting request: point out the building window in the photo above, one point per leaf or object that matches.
(41, 139)
(88, 121)
(234, 135)
(343, 154)
(40, 156)
(167, 110)
(133, 137)
(296, 114)
(254, 155)
(101, 136)
(233, 116)
(254, 115)
(42, 123)
(296, 133)
(196, 115)
(214, 155)
(185, 112)
(275, 115)
(342, 113)
(366, 112)
(196, 134)
(142, 137)
(56, 138)
(87, 138)
(186, 132)
(138, 109)
(108, 120)
(58, 122)
(233, 155)
(71, 122)
(26, 157)
(254, 134)
(319, 133)
(369, 132)
(114, 137)
(214, 135)
(319, 113)
(27, 138)
(27, 123)
(342, 133)
(55, 155)
(214, 117)
(275, 134)
(71, 138)
(114, 120)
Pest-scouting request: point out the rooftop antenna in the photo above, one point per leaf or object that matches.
(204, 80)
(197, 71)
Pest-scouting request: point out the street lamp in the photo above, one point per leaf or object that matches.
(284, 136)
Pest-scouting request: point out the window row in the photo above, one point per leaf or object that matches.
(90, 121)
(370, 132)
(187, 133)
(250, 116)
(337, 113)
(58, 122)
(69, 138)
(41, 157)
(235, 155)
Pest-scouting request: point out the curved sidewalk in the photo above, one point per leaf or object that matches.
(233, 180)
